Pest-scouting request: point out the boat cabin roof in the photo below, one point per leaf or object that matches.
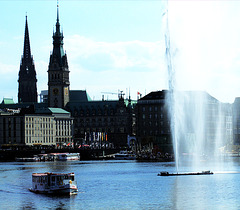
(52, 174)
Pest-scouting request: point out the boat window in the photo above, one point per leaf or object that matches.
(65, 177)
(72, 178)
(53, 178)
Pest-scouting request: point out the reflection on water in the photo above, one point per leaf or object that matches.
(206, 192)
(120, 185)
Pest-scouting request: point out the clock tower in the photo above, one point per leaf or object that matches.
(58, 73)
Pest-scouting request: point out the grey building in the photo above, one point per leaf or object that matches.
(153, 124)
(44, 126)
(198, 116)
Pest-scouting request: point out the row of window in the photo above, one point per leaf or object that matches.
(39, 119)
(155, 132)
(38, 126)
(151, 116)
(45, 140)
(151, 108)
(39, 133)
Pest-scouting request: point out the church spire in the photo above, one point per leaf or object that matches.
(27, 89)
(26, 49)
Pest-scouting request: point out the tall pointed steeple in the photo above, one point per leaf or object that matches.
(27, 82)
(26, 48)
(58, 73)
(58, 40)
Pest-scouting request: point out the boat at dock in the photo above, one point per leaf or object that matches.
(124, 155)
(165, 173)
(28, 159)
(51, 157)
(54, 183)
(67, 156)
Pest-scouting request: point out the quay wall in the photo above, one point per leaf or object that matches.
(86, 154)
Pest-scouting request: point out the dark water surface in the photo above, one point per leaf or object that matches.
(121, 185)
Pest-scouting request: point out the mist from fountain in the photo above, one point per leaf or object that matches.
(197, 121)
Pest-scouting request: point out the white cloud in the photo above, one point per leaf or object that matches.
(121, 54)
(107, 67)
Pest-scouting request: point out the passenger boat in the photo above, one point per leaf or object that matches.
(67, 156)
(124, 155)
(54, 183)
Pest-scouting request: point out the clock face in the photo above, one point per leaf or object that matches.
(55, 91)
(66, 91)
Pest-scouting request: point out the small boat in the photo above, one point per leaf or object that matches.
(54, 183)
(165, 173)
(124, 155)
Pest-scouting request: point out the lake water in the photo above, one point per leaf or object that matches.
(122, 185)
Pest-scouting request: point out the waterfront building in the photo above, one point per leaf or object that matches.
(36, 126)
(102, 123)
(27, 81)
(153, 124)
(202, 113)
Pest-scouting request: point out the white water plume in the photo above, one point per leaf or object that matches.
(198, 120)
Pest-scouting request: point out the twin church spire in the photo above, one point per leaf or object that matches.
(58, 72)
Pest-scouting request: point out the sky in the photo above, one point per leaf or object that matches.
(117, 45)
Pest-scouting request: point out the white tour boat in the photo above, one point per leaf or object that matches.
(67, 156)
(54, 183)
(124, 155)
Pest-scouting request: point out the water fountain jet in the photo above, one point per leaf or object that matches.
(197, 121)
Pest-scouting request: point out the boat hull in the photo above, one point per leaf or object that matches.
(59, 191)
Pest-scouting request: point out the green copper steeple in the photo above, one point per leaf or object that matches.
(58, 50)
(58, 73)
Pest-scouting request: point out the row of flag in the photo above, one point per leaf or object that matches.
(96, 136)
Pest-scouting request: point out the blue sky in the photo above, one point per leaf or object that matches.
(119, 45)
